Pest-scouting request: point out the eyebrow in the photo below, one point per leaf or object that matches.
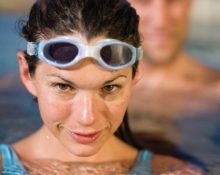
(58, 76)
(71, 83)
(113, 79)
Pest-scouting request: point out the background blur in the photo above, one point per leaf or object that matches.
(204, 36)
(18, 112)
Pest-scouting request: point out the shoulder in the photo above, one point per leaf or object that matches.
(205, 72)
(7, 153)
(144, 155)
(10, 162)
(160, 164)
(210, 78)
(167, 164)
(5, 149)
(205, 76)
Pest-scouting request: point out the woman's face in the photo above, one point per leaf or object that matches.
(84, 105)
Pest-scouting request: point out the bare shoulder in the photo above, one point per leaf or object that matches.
(207, 76)
(206, 71)
(170, 165)
(24, 148)
(211, 79)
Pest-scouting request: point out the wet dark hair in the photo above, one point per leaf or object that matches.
(91, 18)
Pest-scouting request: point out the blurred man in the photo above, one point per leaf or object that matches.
(175, 104)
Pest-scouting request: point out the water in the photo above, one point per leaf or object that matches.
(10, 43)
(19, 115)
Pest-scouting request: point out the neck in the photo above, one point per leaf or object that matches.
(176, 65)
(159, 75)
(43, 139)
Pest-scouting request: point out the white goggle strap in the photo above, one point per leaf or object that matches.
(140, 53)
(31, 48)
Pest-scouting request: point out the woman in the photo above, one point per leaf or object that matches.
(80, 64)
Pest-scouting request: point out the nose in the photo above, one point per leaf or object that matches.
(84, 108)
(159, 13)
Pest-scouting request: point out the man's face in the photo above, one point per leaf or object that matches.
(163, 25)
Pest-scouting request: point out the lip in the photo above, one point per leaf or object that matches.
(85, 138)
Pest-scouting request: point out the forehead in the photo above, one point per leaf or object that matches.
(80, 37)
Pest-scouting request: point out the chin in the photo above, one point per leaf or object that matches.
(161, 58)
(85, 151)
(156, 60)
(162, 55)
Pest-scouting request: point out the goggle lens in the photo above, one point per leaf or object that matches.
(61, 52)
(116, 55)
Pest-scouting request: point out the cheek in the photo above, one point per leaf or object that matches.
(52, 111)
(183, 27)
(117, 110)
(181, 15)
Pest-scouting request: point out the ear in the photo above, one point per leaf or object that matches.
(25, 76)
(139, 73)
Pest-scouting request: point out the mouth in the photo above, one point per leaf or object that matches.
(85, 138)
(159, 38)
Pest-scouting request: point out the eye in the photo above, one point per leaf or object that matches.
(63, 86)
(111, 88)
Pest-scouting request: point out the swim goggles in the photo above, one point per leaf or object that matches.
(64, 52)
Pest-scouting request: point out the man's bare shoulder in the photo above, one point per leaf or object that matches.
(209, 78)
(170, 165)
(205, 72)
